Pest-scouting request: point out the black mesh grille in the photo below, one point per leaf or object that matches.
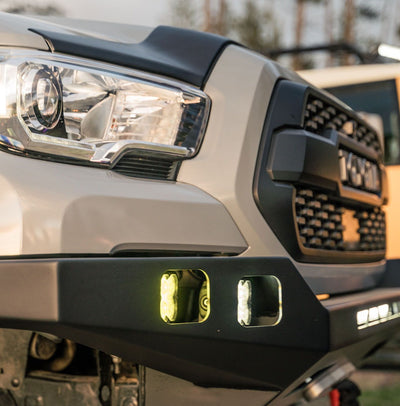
(320, 115)
(144, 166)
(321, 224)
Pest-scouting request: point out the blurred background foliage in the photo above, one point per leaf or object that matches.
(280, 24)
(20, 7)
(254, 24)
(261, 25)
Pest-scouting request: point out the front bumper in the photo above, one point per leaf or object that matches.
(113, 304)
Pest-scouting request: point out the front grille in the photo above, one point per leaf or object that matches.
(325, 223)
(146, 166)
(319, 115)
(320, 183)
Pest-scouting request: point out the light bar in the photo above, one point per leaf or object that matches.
(377, 314)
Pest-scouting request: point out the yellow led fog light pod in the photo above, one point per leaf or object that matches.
(169, 297)
(244, 302)
(185, 296)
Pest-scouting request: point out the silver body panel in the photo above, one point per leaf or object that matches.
(54, 208)
(240, 87)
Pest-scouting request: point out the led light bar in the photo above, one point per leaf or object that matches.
(377, 314)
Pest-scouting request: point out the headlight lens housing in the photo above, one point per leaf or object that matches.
(68, 108)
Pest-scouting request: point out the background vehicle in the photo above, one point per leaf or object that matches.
(190, 207)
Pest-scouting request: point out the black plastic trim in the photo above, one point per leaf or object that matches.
(392, 275)
(182, 54)
(298, 156)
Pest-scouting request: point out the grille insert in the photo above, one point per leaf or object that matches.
(320, 115)
(324, 223)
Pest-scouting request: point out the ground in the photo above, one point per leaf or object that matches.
(379, 388)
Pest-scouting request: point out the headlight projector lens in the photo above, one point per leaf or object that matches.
(41, 97)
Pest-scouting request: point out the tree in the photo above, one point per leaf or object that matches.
(217, 19)
(297, 59)
(184, 14)
(46, 10)
(189, 14)
(349, 21)
(300, 61)
(328, 28)
(257, 28)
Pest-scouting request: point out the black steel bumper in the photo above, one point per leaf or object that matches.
(113, 304)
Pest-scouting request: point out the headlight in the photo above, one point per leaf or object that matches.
(68, 108)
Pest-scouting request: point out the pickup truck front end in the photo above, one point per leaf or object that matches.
(188, 206)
